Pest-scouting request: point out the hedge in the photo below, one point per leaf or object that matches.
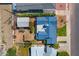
(34, 14)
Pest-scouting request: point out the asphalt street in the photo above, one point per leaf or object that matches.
(74, 29)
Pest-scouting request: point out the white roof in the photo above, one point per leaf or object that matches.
(40, 28)
(22, 21)
(37, 51)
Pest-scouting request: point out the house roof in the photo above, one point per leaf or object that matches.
(49, 27)
(39, 51)
(33, 6)
(22, 21)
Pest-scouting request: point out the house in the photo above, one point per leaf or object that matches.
(22, 33)
(22, 21)
(40, 51)
(46, 29)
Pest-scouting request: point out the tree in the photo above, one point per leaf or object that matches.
(11, 52)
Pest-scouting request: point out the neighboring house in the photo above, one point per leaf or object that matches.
(37, 50)
(40, 51)
(22, 31)
(23, 21)
(60, 6)
(31, 7)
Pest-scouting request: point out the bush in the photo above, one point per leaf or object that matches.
(62, 41)
(62, 53)
(23, 51)
(11, 52)
(56, 46)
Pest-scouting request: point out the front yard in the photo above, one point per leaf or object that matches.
(61, 31)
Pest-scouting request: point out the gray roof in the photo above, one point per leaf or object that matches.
(22, 21)
(27, 6)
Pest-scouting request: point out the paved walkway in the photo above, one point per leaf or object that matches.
(66, 46)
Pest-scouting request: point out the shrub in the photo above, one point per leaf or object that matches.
(62, 53)
(62, 41)
(56, 46)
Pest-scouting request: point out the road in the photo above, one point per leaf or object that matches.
(74, 29)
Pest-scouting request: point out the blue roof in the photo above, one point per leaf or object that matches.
(50, 26)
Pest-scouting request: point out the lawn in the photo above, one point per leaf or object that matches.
(61, 31)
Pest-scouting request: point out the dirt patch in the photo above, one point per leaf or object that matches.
(61, 21)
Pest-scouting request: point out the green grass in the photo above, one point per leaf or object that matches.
(61, 31)
(62, 53)
(11, 52)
